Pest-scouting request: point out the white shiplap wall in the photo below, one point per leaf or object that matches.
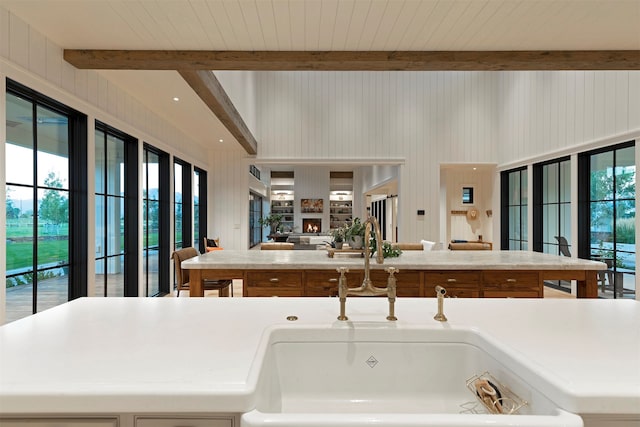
(421, 118)
(228, 198)
(550, 112)
(239, 86)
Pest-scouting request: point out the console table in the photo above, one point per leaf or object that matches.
(464, 273)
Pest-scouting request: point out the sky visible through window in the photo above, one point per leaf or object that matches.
(21, 171)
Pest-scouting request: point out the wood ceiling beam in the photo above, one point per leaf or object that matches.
(209, 89)
(354, 60)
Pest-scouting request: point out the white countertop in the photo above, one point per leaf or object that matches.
(414, 260)
(118, 355)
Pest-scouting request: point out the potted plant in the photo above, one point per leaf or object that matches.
(272, 220)
(354, 234)
(388, 250)
(338, 235)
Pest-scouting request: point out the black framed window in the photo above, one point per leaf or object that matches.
(46, 202)
(552, 211)
(552, 207)
(156, 225)
(181, 204)
(514, 217)
(607, 219)
(116, 195)
(255, 213)
(199, 207)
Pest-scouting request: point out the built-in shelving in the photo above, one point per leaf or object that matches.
(340, 211)
(284, 208)
(340, 199)
(282, 198)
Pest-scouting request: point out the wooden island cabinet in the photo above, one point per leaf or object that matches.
(467, 274)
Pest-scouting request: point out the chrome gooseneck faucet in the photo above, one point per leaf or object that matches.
(367, 288)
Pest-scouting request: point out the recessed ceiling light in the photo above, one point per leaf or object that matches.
(475, 168)
(175, 98)
(220, 140)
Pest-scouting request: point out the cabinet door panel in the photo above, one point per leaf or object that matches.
(408, 283)
(322, 283)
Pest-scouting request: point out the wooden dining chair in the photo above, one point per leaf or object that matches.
(603, 275)
(211, 245)
(563, 245)
(182, 276)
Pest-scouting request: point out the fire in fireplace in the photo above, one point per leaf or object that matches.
(311, 225)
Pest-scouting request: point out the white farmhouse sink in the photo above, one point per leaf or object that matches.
(362, 375)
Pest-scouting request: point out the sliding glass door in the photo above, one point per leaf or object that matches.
(155, 228)
(45, 248)
(609, 228)
(116, 195)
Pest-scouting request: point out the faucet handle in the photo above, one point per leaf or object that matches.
(392, 270)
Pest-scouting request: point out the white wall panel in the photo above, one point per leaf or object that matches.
(228, 202)
(4, 29)
(634, 97)
(18, 37)
(239, 86)
(54, 63)
(68, 76)
(37, 53)
(550, 111)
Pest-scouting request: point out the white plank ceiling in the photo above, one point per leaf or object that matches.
(321, 25)
(335, 24)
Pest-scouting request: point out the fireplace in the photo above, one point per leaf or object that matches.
(311, 225)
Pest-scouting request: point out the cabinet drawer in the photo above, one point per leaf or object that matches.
(459, 284)
(452, 278)
(510, 280)
(407, 282)
(456, 292)
(322, 283)
(273, 292)
(511, 294)
(183, 422)
(58, 422)
(274, 279)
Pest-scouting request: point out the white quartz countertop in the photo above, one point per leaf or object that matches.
(126, 355)
(414, 260)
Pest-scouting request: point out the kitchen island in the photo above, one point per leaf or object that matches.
(161, 361)
(475, 274)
